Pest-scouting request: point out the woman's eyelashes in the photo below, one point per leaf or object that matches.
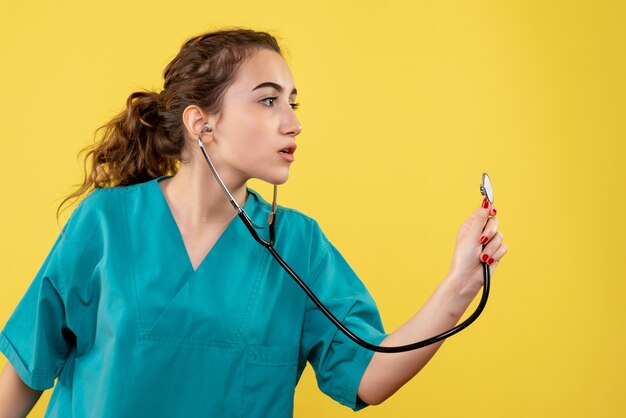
(269, 101)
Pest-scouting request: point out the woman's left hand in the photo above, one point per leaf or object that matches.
(481, 228)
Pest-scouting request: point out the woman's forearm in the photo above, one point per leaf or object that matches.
(16, 398)
(387, 372)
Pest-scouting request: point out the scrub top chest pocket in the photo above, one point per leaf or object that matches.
(269, 381)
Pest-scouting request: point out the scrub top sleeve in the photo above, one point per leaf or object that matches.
(35, 339)
(339, 363)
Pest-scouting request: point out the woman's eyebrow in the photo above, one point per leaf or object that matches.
(278, 87)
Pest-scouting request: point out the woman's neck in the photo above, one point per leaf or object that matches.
(194, 195)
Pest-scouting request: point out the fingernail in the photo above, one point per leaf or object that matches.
(490, 261)
(485, 203)
(483, 239)
(494, 211)
(484, 258)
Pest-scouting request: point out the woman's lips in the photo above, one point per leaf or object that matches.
(287, 156)
(288, 151)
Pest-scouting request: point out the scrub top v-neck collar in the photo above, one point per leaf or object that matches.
(252, 206)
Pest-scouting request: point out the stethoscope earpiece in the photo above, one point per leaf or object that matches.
(207, 128)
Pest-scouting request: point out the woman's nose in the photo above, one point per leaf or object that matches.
(291, 124)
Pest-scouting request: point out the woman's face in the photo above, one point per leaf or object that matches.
(254, 134)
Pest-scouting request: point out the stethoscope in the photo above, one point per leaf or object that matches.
(486, 189)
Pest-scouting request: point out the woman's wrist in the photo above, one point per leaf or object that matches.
(456, 294)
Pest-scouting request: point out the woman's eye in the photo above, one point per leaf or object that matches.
(269, 101)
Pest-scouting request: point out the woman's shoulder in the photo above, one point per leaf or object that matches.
(103, 206)
(104, 195)
(295, 215)
(286, 215)
(296, 226)
(98, 222)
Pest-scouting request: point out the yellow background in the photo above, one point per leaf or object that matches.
(404, 105)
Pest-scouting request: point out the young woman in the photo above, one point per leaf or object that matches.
(155, 302)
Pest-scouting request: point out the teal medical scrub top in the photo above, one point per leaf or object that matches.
(118, 314)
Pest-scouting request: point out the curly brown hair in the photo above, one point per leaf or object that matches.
(146, 140)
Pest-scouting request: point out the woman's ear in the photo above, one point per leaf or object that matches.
(195, 120)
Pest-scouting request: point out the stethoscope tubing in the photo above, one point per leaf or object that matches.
(269, 245)
(378, 348)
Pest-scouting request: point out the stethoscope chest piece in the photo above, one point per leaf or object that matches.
(486, 188)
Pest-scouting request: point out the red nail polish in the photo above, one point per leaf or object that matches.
(493, 212)
(483, 240)
(484, 257)
(485, 203)
(490, 261)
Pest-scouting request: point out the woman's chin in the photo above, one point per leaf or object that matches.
(276, 179)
